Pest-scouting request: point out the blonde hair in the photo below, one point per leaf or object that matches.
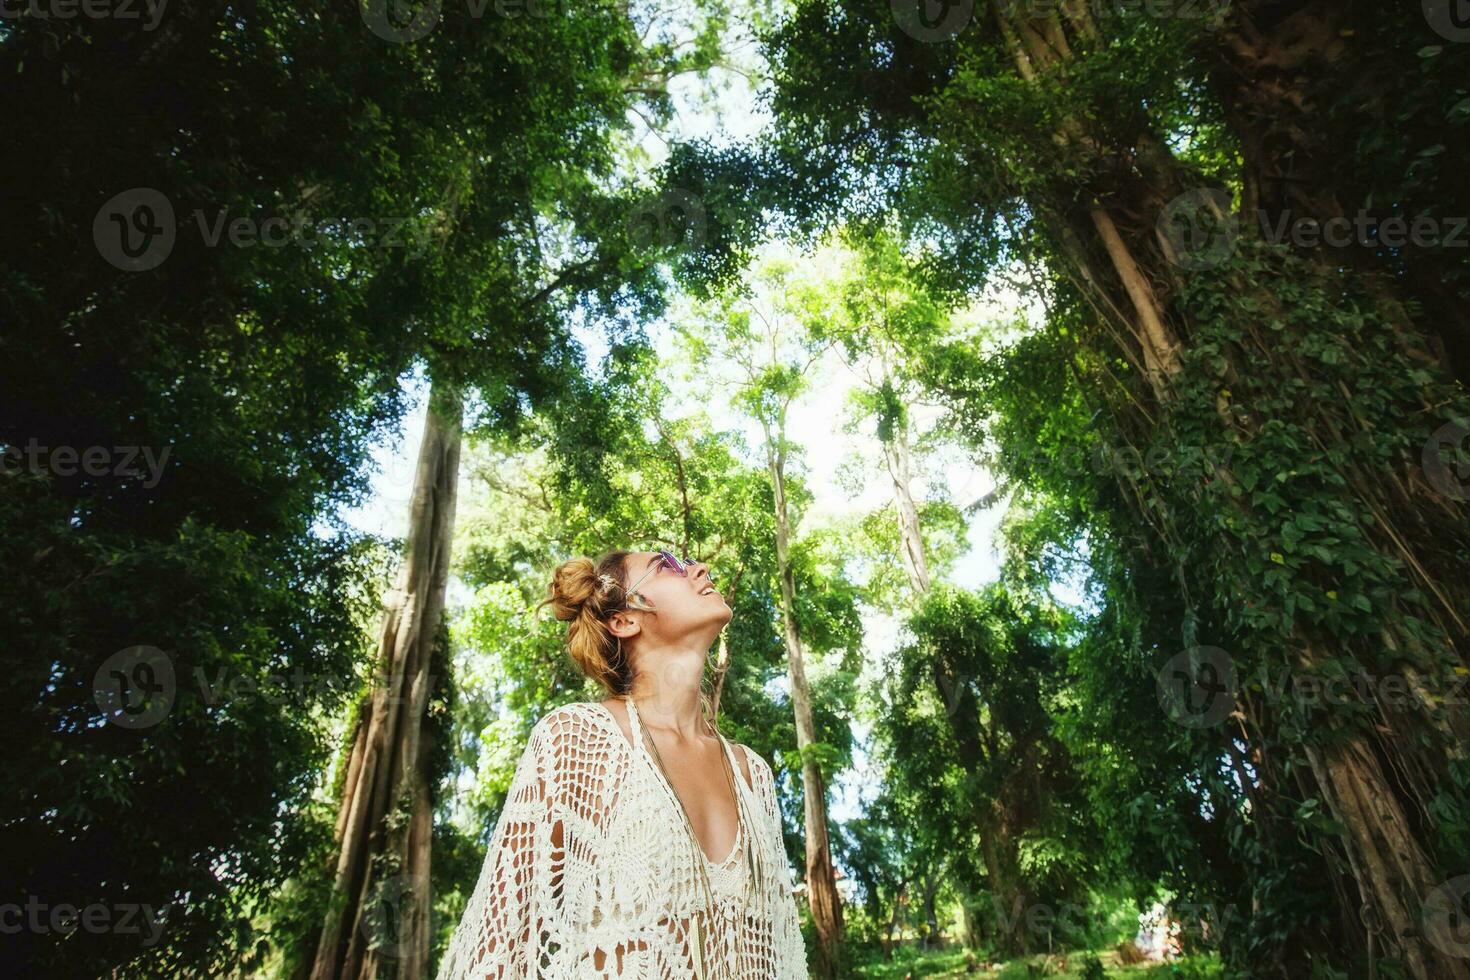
(583, 594)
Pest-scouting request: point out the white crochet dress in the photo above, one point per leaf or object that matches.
(591, 872)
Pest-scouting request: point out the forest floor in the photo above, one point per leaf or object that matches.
(947, 964)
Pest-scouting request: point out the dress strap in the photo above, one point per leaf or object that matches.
(634, 723)
(734, 762)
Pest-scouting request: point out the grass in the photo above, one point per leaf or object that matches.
(909, 962)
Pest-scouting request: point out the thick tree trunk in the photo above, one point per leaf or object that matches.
(821, 880)
(969, 929)
(1109, 235)
(1000, 820)
(1007, 889)
(1383, 842)
(1275, 66)
(378, 925)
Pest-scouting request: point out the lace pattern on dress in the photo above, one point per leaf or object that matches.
(590, 873)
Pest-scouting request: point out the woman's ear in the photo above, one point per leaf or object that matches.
(622, 625)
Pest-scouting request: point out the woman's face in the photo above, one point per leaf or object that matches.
(684, 607)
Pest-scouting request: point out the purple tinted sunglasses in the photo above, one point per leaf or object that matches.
(667, 560)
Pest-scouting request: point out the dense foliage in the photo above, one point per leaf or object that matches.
(1278, 399)
(311, 207)
(1223, 401)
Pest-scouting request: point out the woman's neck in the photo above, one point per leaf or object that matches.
(667, 696)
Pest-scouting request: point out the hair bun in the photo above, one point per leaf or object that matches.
(581, 592)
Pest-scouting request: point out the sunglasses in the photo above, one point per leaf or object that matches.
(665, 559)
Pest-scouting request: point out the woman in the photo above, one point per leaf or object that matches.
(629, 846)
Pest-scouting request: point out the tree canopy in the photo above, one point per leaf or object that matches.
(1185, 282)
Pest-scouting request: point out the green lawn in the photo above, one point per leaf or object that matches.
(958, 963)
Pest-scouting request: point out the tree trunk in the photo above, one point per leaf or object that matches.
(1109, 234)
(911, 538)
(1394, 874)
(722, 667)
(821, 881)
(731, 590)
(1275, 65)
(970, 936)
(1007, 891)
(898, 903)
(931, 914)
(378, 921)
